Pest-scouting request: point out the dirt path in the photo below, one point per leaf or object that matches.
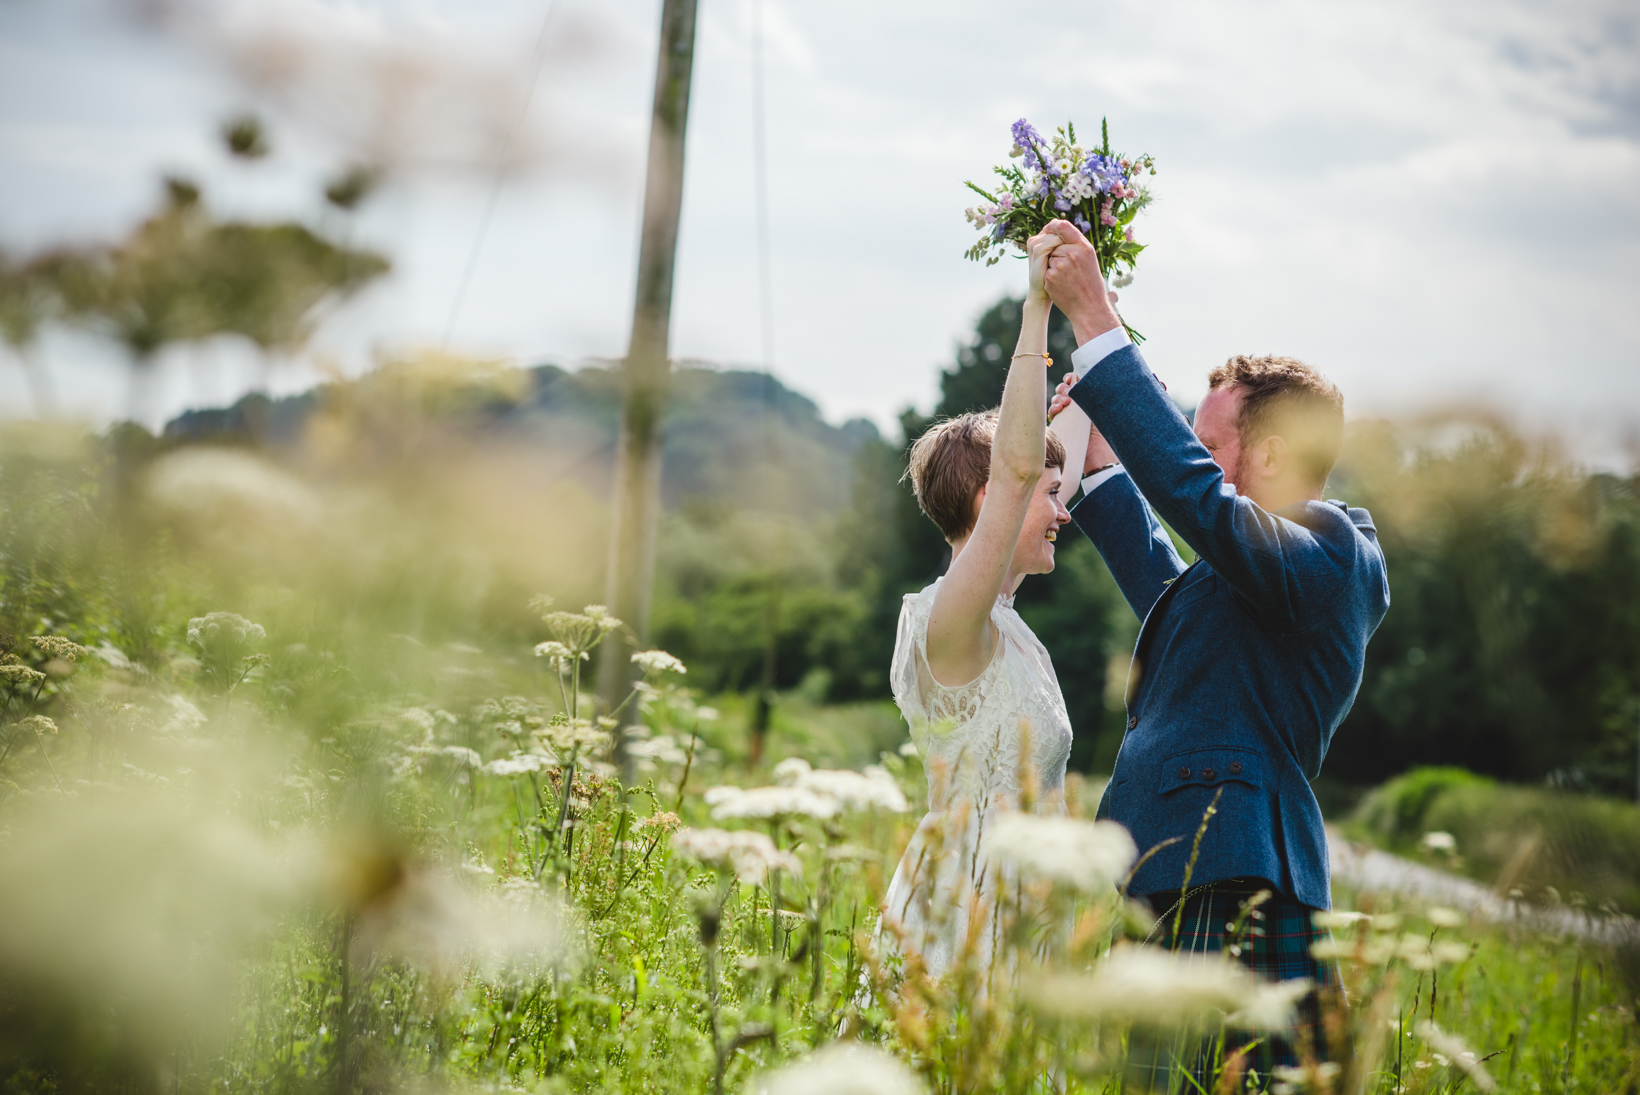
(1366, 868)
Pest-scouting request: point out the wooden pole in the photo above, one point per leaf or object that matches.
(646, 374)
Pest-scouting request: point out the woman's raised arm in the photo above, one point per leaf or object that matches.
(960, 637)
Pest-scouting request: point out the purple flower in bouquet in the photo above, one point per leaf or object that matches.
(1093, 188)
(1105, 172)
(1026, 143)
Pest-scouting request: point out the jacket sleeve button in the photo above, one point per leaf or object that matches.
(1235, 768)
(1184, 773)
(1133, 720)
(1208, 773)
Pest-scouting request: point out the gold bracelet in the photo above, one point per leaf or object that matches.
(1046, 360)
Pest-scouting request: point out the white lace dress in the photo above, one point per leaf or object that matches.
(999, 742)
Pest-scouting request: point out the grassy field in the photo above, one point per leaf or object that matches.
(308, 805)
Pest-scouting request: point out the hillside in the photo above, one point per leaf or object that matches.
(732, 436)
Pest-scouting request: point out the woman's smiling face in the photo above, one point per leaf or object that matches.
(1034, 552)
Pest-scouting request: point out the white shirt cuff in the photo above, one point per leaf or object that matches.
(1097, 479)
(1095, 350)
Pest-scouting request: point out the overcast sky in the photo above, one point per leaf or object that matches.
(1434, 203)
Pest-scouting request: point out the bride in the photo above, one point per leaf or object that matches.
(975, 685)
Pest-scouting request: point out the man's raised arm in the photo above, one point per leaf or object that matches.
(1113, 514)
(1257, 553)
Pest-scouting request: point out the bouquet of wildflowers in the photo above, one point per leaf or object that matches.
(1094, 189)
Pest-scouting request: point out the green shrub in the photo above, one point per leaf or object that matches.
(1543, 842)
(1394, 813)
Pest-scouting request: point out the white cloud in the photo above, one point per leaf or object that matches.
(1431, 201)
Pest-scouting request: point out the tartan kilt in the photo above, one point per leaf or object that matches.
(1275, 943)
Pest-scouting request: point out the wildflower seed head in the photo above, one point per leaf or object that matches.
(663, 822)
(750, 856)
(20, 675)
(519, 764)
(1317, 1076)
(657, 661)
(1339, 919)
(1148, 986)
(37, 724)
(1090, 856)
(1443, 917)
(1458, 1053)
(581, 631)
(578, 735)
(1273, 1005)
(660, 749)
(768, 802)
(217, 628)
(790, 770)
(1438, 841)
(558, 653)
(513, 715)
(872, 789)
(1448, 951)
(841, 1068)
(58, 647)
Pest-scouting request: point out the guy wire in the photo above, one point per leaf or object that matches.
(536, 61)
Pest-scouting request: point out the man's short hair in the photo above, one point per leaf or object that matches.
(952, 461)
(1284, 396)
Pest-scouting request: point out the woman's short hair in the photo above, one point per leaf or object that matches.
(952, 461)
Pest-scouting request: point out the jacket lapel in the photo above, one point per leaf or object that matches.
(1146, 630)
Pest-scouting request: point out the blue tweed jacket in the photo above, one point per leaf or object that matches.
(1247, 660)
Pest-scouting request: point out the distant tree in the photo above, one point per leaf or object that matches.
(183, 276)
(27, 303)
(1512, 643)
(974, 382)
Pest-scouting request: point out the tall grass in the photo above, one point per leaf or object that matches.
(363, 830)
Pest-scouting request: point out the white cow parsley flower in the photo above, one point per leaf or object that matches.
(768, 802)
(657, 661)
(1150, 986)
(1091, 856)
(218, 627)
(1459, 1053)
(750, 856)
(519, 764)
(841, 1068)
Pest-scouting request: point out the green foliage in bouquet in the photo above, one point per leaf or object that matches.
(1094, 189)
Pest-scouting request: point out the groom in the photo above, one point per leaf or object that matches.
(1249, 658)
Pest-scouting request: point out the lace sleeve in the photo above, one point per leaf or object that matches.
(922, 699)
(906, 671)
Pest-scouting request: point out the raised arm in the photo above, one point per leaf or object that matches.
(1113, 514)
(960, 637)
(1260, 555)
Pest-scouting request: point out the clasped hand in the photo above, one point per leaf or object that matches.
(1064, 268)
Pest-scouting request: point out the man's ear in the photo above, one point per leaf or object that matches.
(1273, 456)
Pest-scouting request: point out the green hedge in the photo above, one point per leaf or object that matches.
(1529, 838)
